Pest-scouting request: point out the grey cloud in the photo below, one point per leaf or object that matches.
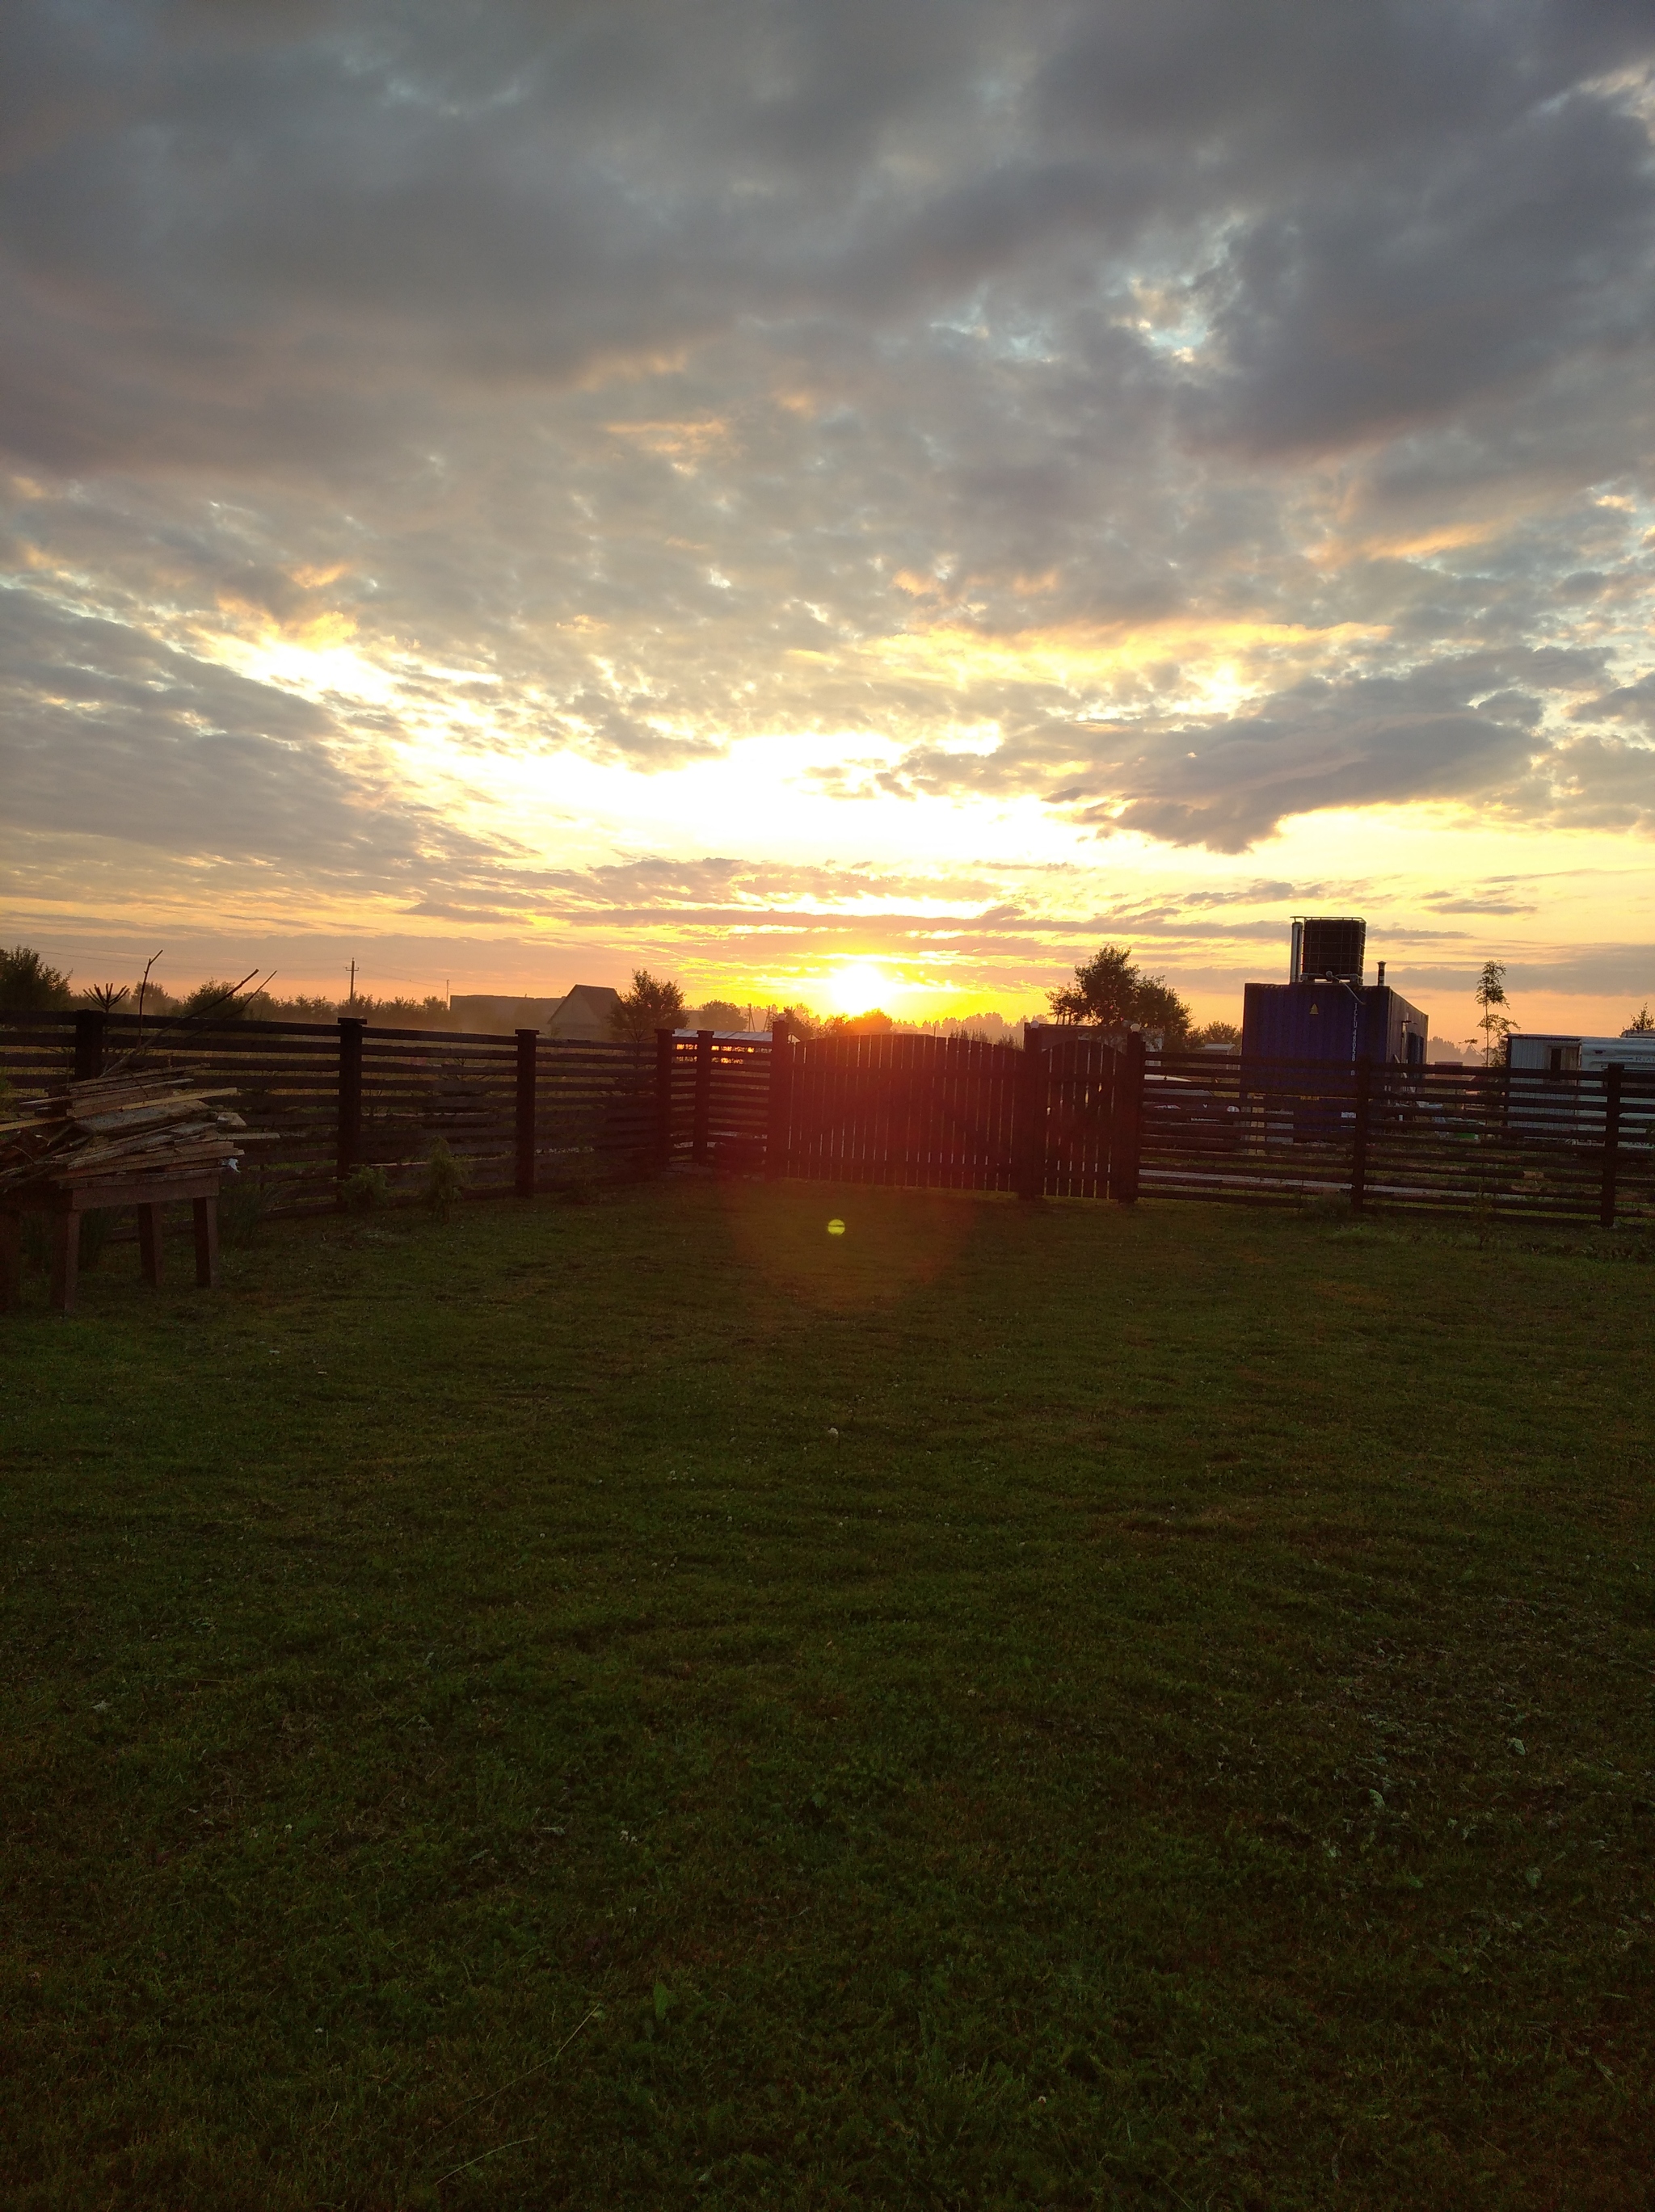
(302, 239)
(1596, 782)
(1593, 969)
(109, 733)
(820, 906)
(1482, 906)
(466, 910)
(1631, 702)
(1438, 731)
(1321, 749)
(1393, 300)
(1277, 80)
(626, 356)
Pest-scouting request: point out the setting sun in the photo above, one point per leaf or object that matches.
(860, 989)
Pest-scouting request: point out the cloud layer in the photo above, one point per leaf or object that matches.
(1174, 422)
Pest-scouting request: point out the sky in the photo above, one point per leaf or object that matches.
(829, 500)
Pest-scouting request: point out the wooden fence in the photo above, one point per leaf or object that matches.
(1072, 1113)
(957, 1114)
(712, 1099)
(1516, 1143)
(521, 1112)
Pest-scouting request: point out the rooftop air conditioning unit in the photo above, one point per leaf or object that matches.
(1328, 949)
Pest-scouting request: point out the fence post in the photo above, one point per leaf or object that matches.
(1029, 1117)
(1127, 1138)
(1612, 1076)
(527, 1041)
(88, 1046)
(701, 1130)
(663, 1100)
(780, 1102)
(350, 1101)
(1359, 1141)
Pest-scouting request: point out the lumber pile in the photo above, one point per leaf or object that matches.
(130, 1127)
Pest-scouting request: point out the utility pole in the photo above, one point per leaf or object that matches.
(352, 1001)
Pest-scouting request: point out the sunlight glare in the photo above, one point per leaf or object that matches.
(860, 989)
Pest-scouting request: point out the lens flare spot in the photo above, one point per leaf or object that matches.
(836, 1229)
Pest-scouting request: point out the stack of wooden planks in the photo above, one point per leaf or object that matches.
(130, 1126)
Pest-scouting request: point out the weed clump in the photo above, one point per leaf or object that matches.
(366, 1190)
(446, 1178)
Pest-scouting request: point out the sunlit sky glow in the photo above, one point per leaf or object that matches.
(827, 499)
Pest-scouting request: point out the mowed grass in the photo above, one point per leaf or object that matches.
(477, 1735)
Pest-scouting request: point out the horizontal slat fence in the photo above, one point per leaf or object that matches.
(1073, 1113)
(594, 1111)
(1510, 1143)
(340, 1096)
(713, 1096)
(418, 1085)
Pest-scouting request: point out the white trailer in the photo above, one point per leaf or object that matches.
(1559, 1087)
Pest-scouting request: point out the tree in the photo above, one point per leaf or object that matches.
(1112, 990)
(1224, 1033)
(28, 986)
(721, 1014)
(1495, 1023)
(875, 1022)
(652, 1004)
(1642, 1023)
(228, 1002)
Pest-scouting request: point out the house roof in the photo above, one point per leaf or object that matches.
(586, 1007)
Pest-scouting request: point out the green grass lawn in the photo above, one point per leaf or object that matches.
(477, 1735)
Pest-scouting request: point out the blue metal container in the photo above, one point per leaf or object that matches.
(1337, 1023)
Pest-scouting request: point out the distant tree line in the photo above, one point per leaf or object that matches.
(1110, 990)
(29, 986)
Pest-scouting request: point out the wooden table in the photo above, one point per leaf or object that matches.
(65, 1206)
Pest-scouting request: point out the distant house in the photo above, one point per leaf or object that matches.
(586, 1014)
(582, 1014)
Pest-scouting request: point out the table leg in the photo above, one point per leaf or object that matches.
(11, 1261)
(65, 1258)
(206, 1243)
(149, 1243)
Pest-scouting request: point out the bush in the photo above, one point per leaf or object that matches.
(366, 1190)
(224, 1002)
(446, 1177)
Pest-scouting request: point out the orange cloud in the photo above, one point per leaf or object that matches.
(1084, 655)
(1335, 554)
(675, 440)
